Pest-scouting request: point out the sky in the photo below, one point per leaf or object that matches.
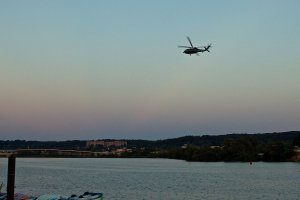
(73, 69)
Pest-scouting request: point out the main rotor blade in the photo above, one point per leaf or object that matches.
(190, 41)
(184, 47)
(201, 47)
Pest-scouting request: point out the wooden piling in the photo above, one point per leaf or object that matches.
(11, 176)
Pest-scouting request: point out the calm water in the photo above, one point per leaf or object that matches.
(138, 179)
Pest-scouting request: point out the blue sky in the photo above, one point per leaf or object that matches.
(112, 69)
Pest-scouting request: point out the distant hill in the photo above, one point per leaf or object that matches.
(213, 140)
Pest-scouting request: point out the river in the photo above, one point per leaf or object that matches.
(165, 179)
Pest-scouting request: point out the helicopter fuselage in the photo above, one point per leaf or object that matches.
(193, 50)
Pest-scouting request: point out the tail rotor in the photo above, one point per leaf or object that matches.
(207, 47)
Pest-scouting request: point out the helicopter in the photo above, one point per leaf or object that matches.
(195, 50)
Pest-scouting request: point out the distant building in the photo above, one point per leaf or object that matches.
(106, 143)
(184, 146)
(260, 154)
(122, 150)
(215, 147)
(6, 153)
(296, 153)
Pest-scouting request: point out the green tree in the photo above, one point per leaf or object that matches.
(241, 149)
(277, 152)
(296, 141)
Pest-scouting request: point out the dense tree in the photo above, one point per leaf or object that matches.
(296, 141)
(277, 152)
(241, 149)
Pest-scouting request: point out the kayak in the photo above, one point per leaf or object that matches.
(84, 196)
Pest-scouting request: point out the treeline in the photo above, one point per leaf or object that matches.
(212, 140)
(167, 144)
(245, 149)
(234, 147)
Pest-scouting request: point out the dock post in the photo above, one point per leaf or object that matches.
(11, 176)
